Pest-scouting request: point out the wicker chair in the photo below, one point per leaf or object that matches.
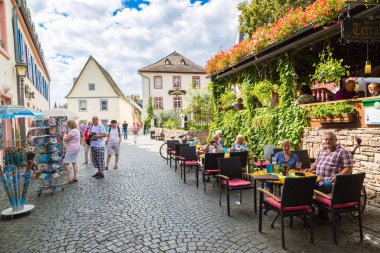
(231, 178)
(177, 154)
(210, 167)
(345, 198)
(170, 150)
(296, 200)
(188, 158)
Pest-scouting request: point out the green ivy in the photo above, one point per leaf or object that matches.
(287, 79)
(329, 69)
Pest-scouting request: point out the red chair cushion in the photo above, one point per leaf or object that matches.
(258, 164)
(236, 182)
(327, 203)
(212, 171)
(191, 163)
(277, 205)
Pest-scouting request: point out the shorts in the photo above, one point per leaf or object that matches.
(70, 157)
(98, 157)
(113, 148)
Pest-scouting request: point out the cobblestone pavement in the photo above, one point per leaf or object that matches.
(145, 207)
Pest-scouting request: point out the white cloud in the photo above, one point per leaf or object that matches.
(130, 40)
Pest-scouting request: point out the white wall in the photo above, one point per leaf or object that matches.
(148, 89)
(118, 108)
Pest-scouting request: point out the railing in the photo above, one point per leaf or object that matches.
(322, 94)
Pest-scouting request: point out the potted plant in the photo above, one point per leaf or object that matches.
(341, 112)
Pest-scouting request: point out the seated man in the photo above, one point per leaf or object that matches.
(347, 92)
(332, 160)
(239, 105)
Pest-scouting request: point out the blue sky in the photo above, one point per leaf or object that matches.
(139, 33)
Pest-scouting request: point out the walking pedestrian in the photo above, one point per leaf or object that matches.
(72, 145)
(135, 131)
(144, 129)
(125, 130)
(86, 143)
(114, 137)
(96, 136)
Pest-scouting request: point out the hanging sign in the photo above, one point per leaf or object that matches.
(372, 111)
(356, 29)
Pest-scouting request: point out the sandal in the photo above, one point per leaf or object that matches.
(75, 180)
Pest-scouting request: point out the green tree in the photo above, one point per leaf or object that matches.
(150, 113)
(256, 13)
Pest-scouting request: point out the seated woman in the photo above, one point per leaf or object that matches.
(306, 96)
(239, 144)
(374, 89)
(213, 145)
(286, 156)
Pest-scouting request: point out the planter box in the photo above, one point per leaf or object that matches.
(340, 118)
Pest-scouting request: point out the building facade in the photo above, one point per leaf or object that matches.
(94, 92)
(19, 44)
(168, 81)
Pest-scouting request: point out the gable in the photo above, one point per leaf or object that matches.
(92, 74)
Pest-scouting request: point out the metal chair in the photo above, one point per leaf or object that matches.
(231, 177)
(296, 200)
(210, 167)
(188, 158)
(243, 155)
(345, 198)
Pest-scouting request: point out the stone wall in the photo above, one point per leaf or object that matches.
(367, 156)
(201, 135)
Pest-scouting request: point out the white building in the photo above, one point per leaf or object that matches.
(94, 92)
(19, 44)
(168, 80)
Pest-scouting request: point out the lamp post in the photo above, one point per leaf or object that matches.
(21, 69)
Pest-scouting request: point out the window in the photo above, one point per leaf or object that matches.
(158, 82)
(177, 103)
(91, 86)
(176, 82)
(3, 32)
(158, 103)
(182, 62)
(82, 105)
(167, 62)
(104, 105)
(196, 82)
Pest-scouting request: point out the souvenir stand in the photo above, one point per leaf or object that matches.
(15, 173)
(46, 135)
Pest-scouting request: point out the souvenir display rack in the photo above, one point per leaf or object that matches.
(46, 137)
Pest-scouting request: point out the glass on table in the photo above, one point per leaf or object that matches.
(299, 166)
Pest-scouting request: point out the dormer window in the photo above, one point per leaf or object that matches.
(182, 62)
(167, 62)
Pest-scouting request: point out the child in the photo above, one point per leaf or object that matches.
(374, 89)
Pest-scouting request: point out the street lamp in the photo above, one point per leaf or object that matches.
(21, 69)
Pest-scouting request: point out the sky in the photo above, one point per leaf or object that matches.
(126, 35)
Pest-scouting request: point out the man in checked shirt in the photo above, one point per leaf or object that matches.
(332, 160)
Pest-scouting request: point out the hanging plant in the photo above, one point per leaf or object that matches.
(329, 69)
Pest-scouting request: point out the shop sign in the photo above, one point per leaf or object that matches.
(177, 92)
(372, 111)
(355, 29)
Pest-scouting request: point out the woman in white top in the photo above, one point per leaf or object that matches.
(239, 144)
(72, 145)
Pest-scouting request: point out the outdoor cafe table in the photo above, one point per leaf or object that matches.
(272, 178)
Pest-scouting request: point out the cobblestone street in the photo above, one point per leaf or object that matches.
(144, 206)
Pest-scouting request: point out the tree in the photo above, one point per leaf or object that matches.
(259, 12)
(150, 113)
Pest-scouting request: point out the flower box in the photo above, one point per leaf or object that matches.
(340, 118)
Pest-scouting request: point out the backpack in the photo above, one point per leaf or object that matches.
(118, 129)
(88, 140)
